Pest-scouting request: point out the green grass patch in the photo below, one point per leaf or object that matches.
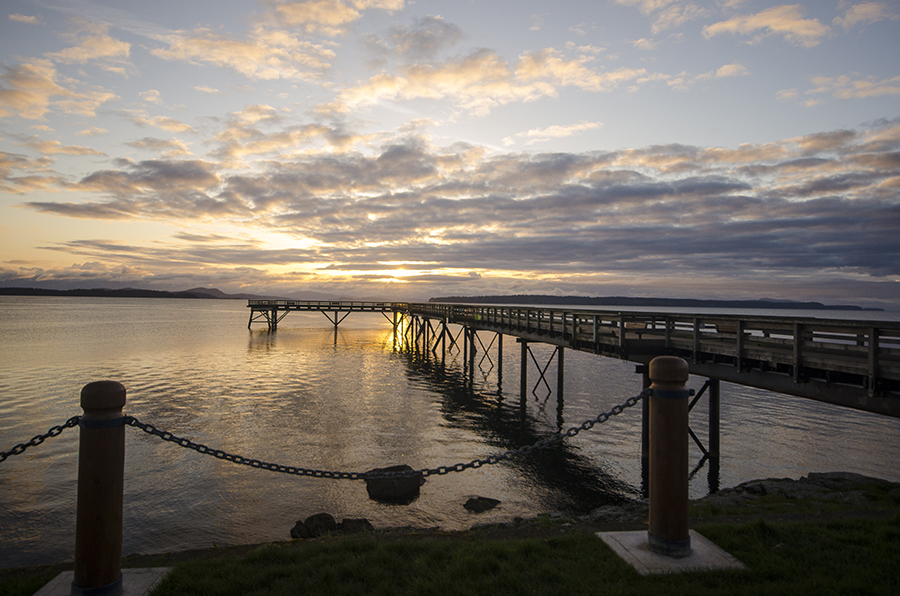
(822, 558)
(24, 582)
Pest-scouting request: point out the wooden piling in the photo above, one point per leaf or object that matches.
(668, 533)
(101, 479)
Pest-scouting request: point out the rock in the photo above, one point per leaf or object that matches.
(356, 526)
(400, 489)
(320, 524)
(841, 480)
(632, 511)
(481, 504)
(300, 530)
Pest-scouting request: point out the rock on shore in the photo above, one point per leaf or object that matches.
(832, 486)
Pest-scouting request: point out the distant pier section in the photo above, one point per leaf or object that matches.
(273, 311)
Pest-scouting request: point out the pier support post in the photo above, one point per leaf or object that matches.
(644, 371)
(714, 434)
(101, 479)
(714, 418)
(560, 372)
(668, 533)
(499, 359)
(523, 371)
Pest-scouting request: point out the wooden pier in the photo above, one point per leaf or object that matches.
(848, 363)
(273, 311)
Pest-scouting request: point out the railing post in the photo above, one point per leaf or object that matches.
(101, 479)
(669, 533)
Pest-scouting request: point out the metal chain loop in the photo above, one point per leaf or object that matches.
(53, 432)
(554, 439)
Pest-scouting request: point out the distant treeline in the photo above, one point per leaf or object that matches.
(201, 293)
(653, 302)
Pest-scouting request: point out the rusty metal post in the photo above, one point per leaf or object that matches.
(101, 479)
(669, 533)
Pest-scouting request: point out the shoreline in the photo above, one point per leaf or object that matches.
(816, 497)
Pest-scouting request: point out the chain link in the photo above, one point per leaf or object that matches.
(53, 432)
(554, 439)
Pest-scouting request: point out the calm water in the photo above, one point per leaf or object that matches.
(304, 396)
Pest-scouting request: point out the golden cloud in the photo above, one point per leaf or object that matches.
(786, 21)
(32, 88)
(267, 54)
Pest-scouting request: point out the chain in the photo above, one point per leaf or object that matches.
(53, 432)
(554, 439)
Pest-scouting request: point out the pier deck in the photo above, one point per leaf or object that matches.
(844, 362)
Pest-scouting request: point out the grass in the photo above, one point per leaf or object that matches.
(835, 557)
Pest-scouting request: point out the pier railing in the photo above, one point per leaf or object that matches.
(851, 363)
(324, 305)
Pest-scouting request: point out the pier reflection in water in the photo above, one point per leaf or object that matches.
(306, 396)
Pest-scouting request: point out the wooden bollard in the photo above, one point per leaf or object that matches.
(668, 533)
(101, 479)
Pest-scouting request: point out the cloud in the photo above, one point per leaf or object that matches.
(540, 135)
(667, 14)
(863, 14)
(55, 147)
(162, 122)
(27, 19)
(825, 141)
(244, 135)
(732, 70)
(30, 90)
(266, 54)
(14, 180)
(168, 148)
(151, 96)
(424, 40)
(786, 21)
(326, 17)
(549, 64)
(255, 143)
(847, 87)
(207, 89)
(92, 132)
(643, 43)
(93, 44)
(476, 83)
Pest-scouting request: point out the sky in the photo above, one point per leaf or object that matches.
(402, 150)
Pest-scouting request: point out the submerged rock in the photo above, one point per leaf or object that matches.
(398, 489)
(481, 504)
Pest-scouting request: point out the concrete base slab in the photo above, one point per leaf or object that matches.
(135, 582)
(632, 547)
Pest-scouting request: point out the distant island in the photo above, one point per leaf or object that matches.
(537, 299)
(199, 293)
(652, 302)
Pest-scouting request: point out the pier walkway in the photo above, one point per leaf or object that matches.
(844, 362)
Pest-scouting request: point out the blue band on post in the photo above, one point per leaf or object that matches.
(113, 589)
(101, 422)
(665, 394)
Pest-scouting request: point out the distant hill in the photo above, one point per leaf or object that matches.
(199, 293)
(651, 302)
